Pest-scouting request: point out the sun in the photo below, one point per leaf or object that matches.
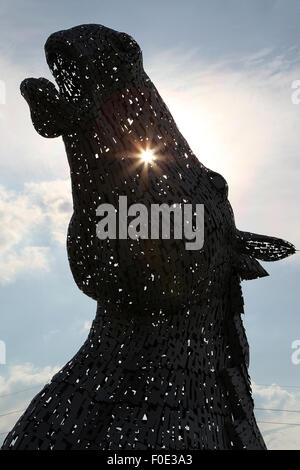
(147, 156)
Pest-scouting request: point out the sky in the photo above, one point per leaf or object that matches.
(225, 70)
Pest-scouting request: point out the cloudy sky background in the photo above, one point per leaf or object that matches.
(225, 70)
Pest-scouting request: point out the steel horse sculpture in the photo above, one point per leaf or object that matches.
(165, 363)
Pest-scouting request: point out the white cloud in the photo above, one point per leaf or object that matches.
(40, 208)
(17, 218)
(273, 397)
(54, 197)
(29, 259)
(25, 375)
(23, 378)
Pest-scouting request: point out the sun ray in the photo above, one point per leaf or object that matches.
(147, 156)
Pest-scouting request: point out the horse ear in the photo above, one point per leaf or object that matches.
(264, 247)
(248, 267)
